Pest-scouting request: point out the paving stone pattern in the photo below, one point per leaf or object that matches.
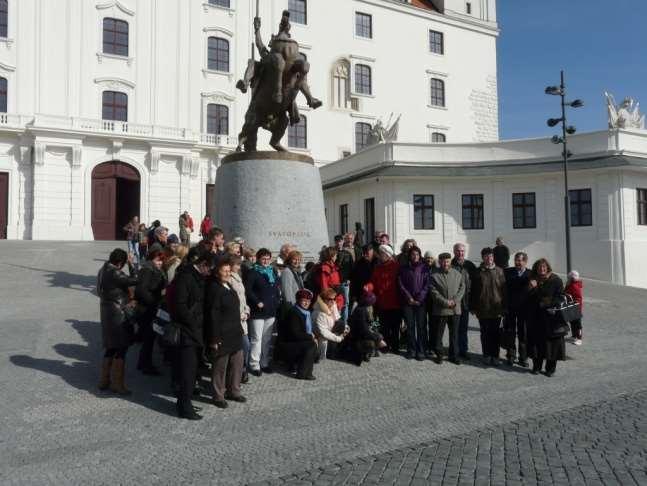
(56, 428)
(603, 444)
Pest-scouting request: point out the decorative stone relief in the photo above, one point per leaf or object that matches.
(195, 167)
(186, 164)
(117, 4)
(77, 154)
(115, 84)
(117, 145)
(485, 111)
(39, 153)
(154, 162)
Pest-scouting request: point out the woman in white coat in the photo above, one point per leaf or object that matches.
(328, 328)
(236, 283)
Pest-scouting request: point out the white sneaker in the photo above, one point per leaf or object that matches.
(577, 342)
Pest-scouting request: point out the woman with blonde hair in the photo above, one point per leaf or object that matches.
(328, 328)
(174, 260)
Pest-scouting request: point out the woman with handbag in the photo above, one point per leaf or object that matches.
(223, 336)
(328, 328)
(116, 332)
(546, 330)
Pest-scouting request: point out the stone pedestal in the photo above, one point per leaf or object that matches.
(271, 198)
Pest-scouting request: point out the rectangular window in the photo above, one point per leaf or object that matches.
(423, 211)
(363, 83)
(217, 119)
(438, 137)
(362, 132)
(3, 95)
(363, 25)
(473, 212)
(298, 134)
(642, 206)
(524, 210)
(581, 207)
(369, 218)
(218, 54)
(437, 92)
(298, 11)
(343, 219)
(4, 18)
(436, 42)
(115, 106)
(115, 37)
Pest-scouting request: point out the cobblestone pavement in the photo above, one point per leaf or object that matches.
(605, 443)
(55, 428)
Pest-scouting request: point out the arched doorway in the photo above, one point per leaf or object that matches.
(115, 199)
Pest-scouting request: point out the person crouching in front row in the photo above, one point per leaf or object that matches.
(296, 342)
(363, 338)
(224, 336)
(328, 327)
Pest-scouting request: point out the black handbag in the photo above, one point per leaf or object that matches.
(169, 331)
(560, 315)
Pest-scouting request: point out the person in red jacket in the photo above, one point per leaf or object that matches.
(574, 288)
(206, 226)
(328, 275)
(385, 287)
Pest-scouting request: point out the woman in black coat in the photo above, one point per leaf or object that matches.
(296, 341)
(545, 290)
(148, 293)
(224, 336)
(363, 341)
(116, 332)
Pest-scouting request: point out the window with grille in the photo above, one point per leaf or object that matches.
(115, 106)
(343, 219)
(436, 42)
(363, 25)
(363, 79)
(437, 92)
(438, 137)
(362, 131)
(220, 3)
(298, 11)
(524, 210)
(3, 95)
(115, 37)
(217, 119)
(641, 196)
(473, 211)
(581, 207)
(4, 18)
(369, 218)
(423, 211)
(298, 134)
(218, 57)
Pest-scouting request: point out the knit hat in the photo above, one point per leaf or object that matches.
(304, 294)
(387, 249)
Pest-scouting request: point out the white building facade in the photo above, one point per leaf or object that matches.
(440, 194)
(115, 108)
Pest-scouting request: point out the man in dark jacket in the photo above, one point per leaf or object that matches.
(362, 271)
(468, 270)
(188, 313)
(501, 254)
(515, 320)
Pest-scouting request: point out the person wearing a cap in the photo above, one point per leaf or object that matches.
(296, 342)
(364, 339)
(488, 303)
(385, 285)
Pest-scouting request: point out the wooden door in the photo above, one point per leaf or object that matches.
(104, 201)
(4, 204)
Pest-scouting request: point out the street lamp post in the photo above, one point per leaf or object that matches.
(566, 130)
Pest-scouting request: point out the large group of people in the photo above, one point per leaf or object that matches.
(240, 312)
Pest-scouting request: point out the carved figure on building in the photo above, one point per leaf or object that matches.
(275, 80)
(625, 115)
(381, 133)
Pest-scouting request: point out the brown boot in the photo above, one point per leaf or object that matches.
(117, 382)
(104, 381)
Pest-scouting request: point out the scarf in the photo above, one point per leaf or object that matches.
(267, 271)
(308, 317)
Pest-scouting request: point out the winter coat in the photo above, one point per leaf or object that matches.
(345, 263)
(184, 229)
(222, 319)
(148, 292)
(468, 270)
(328, 276)
(291, 283)
(188, 308)
(132, 232)
(259, 289)
(385, 285)
(237, 284)
(205, 227)
(413, 282)
(488, 293)
(112, 287)
(360, 325)
(360, 276)
(447, 286)
(323, 322)
(516, 286)
(574, 289)
(541, 345)
(501, 256)
(292, 329)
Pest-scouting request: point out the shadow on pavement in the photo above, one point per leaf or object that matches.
(67, 280)
(83, 372)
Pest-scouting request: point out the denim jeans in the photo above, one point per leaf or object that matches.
(133, 247)
(345, 290)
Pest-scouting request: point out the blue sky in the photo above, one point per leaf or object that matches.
(600, 46)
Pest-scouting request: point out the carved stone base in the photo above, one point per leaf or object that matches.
(271, 198)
